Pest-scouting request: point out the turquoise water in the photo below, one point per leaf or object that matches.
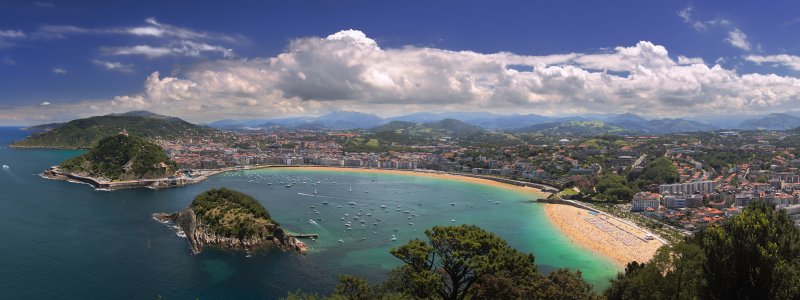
(64, 240)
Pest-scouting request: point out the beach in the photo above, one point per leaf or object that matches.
(621, 242)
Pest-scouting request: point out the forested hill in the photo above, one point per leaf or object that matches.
(122, 157)
(86, 133)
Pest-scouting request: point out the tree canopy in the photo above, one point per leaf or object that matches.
(463, 262)
(755, 255)
(231, 213)
(122, 157)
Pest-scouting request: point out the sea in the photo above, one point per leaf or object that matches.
(61, 240)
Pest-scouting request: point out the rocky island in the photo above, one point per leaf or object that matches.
(122, 161)
(230, 219)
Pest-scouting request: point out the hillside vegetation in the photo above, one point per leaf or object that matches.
(232, 214)
(408, 133)
(86, 133)
(122, 157)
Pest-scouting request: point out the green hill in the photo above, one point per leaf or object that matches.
(86, 133)
(575, 128)
(122, 157)
(230, 213)
(427, 133)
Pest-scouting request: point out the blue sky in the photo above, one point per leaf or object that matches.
(231, 59)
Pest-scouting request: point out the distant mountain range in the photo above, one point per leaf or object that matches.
(86, 133)
(615, 123)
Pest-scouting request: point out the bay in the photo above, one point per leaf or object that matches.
(64, 240)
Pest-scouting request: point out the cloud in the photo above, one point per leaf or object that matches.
(686, 16)
(350, 71)
(172, 40)
(59, 71)
(738, 39)
(8, 61)
(45, 103)
(8, 36)
(683, 60)
(789, 61)
(182, 48)
(11, 34)
(42, 4)
(113, 66)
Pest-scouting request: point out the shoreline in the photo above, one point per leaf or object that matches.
(419, 173)
(602, 234)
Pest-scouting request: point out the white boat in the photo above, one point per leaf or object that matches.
(394, 238)
(341, 241)
(6, 167)
(315, 191)
(351, 189)
(312, 221)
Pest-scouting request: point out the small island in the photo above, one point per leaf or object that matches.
(230, 219)
(122, 161)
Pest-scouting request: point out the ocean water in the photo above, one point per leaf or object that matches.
(63, 240)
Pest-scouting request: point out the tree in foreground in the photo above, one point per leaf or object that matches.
(463, 262)
(755, 255)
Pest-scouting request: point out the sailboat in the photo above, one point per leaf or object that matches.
(6, 167)
(315, 191)
(351, 187)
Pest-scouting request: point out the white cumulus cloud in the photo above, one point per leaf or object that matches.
(350, 71)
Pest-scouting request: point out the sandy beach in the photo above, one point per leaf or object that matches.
(609, 237)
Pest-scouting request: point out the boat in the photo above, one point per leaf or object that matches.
(324, 202)
(312, 221)
(341, 241)
(351, 189)
(452, 204)
(351, 203)
(315, 191)
(6, 167)
(383, 206)
(649, 237)
(394, 238)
